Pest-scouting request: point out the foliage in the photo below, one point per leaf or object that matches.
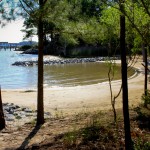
(143, 117)
(110, 21)
(5, 6)
(25, 47)
(142, 145)
(140, 22)
(90, 22)
(146, 98)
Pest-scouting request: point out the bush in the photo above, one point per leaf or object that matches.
(146, 99)
(25, 47)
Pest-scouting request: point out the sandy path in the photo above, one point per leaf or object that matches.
(73, 99)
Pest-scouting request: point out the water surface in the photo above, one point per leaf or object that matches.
(15, 77)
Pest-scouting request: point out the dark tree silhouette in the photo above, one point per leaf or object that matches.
(2, 119)
(40, 95)
(128, 141)
(146, 71)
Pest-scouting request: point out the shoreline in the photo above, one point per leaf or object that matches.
(70, 100)
(78, 97)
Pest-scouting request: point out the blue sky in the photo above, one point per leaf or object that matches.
(11, 32)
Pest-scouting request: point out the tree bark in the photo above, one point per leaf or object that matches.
(128, 141)
(40, 95)
(2, 119)
(146, 68)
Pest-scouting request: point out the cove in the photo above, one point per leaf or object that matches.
(79, 74)
(58, 75)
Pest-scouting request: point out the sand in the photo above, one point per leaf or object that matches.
(79, 98)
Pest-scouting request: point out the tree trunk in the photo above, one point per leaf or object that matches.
(2, 119)
(40, 95)
(146, 67)
(143, 52)
(128, 141)
(146, 72)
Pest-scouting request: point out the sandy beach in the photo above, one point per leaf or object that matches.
(79, 98)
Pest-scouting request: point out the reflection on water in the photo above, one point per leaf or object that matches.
(13, 77)
(79, 74)
(75, 74)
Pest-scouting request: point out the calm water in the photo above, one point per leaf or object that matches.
(15, 77)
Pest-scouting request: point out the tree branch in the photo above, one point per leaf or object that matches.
(27, 5)
(24, 7)
(145, 7)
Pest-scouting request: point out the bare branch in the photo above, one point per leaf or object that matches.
(27, 5)
(24, 7)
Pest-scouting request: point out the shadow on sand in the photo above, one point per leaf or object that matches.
(29, 137)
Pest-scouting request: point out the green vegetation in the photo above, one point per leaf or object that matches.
(146, 99)
(25, 47)
(118, 26)
(93, 24)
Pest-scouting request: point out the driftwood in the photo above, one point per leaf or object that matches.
(2, 119)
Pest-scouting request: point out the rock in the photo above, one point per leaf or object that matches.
(28, 110)
(10, 117)
(17, 106)
(14, 112)
(18, 109)
(6, 108)
(47, 113)
(5, 104)
(60, 61)
(11, 111)
(19, 117)
(29, 114)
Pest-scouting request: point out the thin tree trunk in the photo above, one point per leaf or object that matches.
(143, 53)
(146, 67)
(40, 95)
(111, 93)
(128, 141)
(2, 119)
(146, 72)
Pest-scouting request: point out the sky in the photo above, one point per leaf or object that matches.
(11, 32)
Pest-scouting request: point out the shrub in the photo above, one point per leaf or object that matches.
(25, 47)
(146, 98)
